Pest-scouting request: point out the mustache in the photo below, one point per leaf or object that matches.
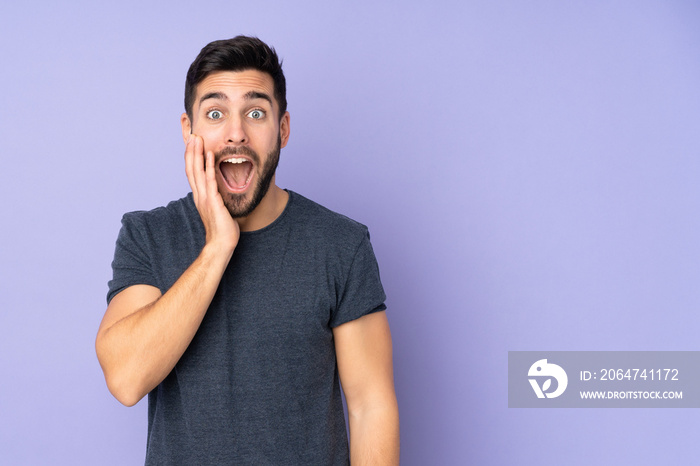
(237, 150)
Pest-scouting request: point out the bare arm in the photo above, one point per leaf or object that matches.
(363, 350)
(143, 334)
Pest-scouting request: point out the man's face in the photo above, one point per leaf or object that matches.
(235, 113)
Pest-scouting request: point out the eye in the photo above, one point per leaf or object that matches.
(214, 114)
(256, 114)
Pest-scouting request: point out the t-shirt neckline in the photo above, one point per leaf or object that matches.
(276, 221)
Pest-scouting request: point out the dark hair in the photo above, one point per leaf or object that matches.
(237, 54)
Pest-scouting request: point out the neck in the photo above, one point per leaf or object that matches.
(271, 207)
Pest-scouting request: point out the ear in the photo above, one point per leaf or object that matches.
(284, 129)
(186, 127)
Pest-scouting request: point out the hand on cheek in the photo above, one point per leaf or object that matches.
(221, 229)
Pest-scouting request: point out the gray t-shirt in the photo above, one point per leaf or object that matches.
(258, 384)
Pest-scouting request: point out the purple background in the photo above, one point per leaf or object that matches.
(528, 170)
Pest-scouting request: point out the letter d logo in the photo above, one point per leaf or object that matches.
(543, 369)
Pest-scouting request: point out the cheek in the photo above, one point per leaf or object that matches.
(268, 139)
(210, 138)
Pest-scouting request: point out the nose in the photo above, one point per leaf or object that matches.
(235, 132)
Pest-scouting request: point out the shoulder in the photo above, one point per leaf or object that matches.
(171, 226)
(175, 212)
(324, 223)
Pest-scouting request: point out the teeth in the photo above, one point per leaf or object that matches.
(236, 160)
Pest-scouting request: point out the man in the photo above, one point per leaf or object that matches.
(238, 307)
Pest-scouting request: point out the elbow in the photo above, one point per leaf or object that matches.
(119, 384)
(379, 403)
(127, 399)
(124, 393)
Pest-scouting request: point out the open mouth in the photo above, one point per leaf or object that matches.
(236, 173)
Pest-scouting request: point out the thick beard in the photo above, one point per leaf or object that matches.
(236, 203)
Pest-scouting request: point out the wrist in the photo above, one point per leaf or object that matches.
(218, 251)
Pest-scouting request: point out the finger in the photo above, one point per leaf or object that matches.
(198, 166)
(210, 173)
(189, 164)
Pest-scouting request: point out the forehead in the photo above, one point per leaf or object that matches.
(235, 84)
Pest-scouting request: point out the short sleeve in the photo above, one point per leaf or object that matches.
(363, 292)
(132, 262)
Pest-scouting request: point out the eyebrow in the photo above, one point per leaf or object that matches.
(213, 95)
(250, 95)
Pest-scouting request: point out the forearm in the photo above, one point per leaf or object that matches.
(138, 351)
(374, 435)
